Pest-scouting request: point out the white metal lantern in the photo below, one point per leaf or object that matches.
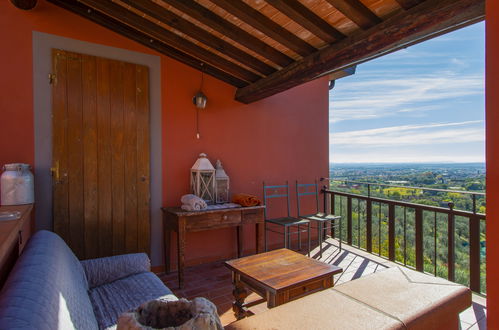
(221, 183)
(203, 179)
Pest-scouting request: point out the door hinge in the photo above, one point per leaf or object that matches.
(51, 78)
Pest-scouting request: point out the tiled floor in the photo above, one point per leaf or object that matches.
(213, 281)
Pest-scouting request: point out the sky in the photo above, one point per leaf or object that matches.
(422, 104)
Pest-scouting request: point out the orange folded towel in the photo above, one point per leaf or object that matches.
(246, 200)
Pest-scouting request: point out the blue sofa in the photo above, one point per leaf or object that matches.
(49, 288)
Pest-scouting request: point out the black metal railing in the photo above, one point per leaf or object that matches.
(416, 235)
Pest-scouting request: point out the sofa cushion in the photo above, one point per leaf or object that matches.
(108, 269)
(112, 299)
(419, 300)
(326, 309)
(47, 289)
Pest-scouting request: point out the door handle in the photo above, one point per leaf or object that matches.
(55, 172)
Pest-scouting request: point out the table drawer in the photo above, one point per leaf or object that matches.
(252, 216)
(306, 289)
(213, 221)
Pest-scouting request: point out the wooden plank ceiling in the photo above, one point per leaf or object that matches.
(264, 47)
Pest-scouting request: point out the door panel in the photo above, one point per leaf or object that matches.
(100, 154)
(90, 159)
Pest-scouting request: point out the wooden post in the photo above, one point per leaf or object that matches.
(391, 232)
(419, 240)
(349, 220)
(451, 271)
(369, 225)
(475, 253)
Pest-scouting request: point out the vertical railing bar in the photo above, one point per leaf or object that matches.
(474, 253)
(474, 203)
(341, 215)
(405, 238)
(333, 208)
(391, 232)
(358, 222)
(451, 270)
(419, 239)
(435, 244)
(379, 230)
(349, 220)
(365, 218)
(369, 225)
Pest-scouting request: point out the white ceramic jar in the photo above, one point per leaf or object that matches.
(16, 185)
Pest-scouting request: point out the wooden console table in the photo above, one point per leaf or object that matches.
(13, 237)
(180, 221)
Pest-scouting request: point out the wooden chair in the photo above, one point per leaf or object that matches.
(287, 222)
(321, 218)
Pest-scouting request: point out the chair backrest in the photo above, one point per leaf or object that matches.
(307, 189)
(270, 192)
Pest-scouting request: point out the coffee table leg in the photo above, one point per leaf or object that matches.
(240, 293)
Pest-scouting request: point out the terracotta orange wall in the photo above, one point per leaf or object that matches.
(284, 137)
(16, 80)
(492, 156)
(281, 138)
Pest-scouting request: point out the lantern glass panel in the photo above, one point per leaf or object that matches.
(222, 190)
(206, 186)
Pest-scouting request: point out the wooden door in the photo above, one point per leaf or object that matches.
(100, 118)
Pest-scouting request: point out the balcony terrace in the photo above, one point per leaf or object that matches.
(97, 96)
(213, 281)
(379, 232)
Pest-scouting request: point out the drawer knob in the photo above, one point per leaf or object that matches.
(224, 217)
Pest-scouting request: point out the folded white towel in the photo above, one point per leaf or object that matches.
(192, 202)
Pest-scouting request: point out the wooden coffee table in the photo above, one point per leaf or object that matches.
(278, 276)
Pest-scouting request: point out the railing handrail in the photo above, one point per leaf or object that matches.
(425, 207)
(474, 228)
(410, 187)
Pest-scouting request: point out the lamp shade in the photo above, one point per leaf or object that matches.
(199, 100)
(203, 179)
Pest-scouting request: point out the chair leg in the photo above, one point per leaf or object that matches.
(286, 238)
(299, 238)
(265, 236)
(320, 237)
(308, 237)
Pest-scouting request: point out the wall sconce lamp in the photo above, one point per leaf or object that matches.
(199, 100)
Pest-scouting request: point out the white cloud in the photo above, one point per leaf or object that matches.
(404, 156)
(407, 135)
(384, 97)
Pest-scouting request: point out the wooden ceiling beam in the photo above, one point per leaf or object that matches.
(169, 18)
(82, 10)
(208, 18)
(259, 21)
(135, 21)
(308, 19)
(24, 4)
(427, 20)
(357, 12)
(408, 4)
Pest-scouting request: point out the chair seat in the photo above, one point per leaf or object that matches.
(288, 221)
(321, 217)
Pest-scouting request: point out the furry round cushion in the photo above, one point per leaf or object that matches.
(198, 314)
